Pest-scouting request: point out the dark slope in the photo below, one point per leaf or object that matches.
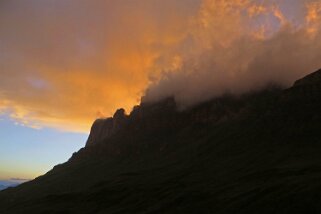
(256, 153)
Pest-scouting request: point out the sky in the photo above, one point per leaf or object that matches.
(26, 153)
(65, 63)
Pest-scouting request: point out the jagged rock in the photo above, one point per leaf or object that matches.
(99, 130)
(165, 114)
(103, 128)
(119, 120)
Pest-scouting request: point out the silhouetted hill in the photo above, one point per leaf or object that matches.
(254, 153)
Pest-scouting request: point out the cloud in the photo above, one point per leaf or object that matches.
(19, 179)
(64, 63)
(242, 45)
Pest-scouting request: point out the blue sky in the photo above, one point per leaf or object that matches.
(26, 153)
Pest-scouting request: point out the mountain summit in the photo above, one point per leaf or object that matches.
(254, 153)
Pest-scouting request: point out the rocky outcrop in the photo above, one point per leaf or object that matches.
(164, 115)
(104, 128)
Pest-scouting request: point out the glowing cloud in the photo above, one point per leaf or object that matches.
(64, 63)
(242, 45)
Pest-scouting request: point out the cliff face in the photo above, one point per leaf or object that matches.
(104, 128)
(254, 153)
(165, 114)
(274, 105)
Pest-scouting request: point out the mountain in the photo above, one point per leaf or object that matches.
(254, 153)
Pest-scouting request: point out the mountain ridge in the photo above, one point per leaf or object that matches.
(257, 152)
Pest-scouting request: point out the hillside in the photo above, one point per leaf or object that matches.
(254, 153)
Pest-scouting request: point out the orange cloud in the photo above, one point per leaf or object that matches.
(64, 63)
(313, 17)
(240, 46)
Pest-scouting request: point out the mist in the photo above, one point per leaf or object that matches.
(240, 46)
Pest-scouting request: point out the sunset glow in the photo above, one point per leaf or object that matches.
(55, 60)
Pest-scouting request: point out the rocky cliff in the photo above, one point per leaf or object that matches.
(165, 114)
(104, 128)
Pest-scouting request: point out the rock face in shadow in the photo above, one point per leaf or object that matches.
(311, 79)
(103, 128)
(254, 153)
(307, 89)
